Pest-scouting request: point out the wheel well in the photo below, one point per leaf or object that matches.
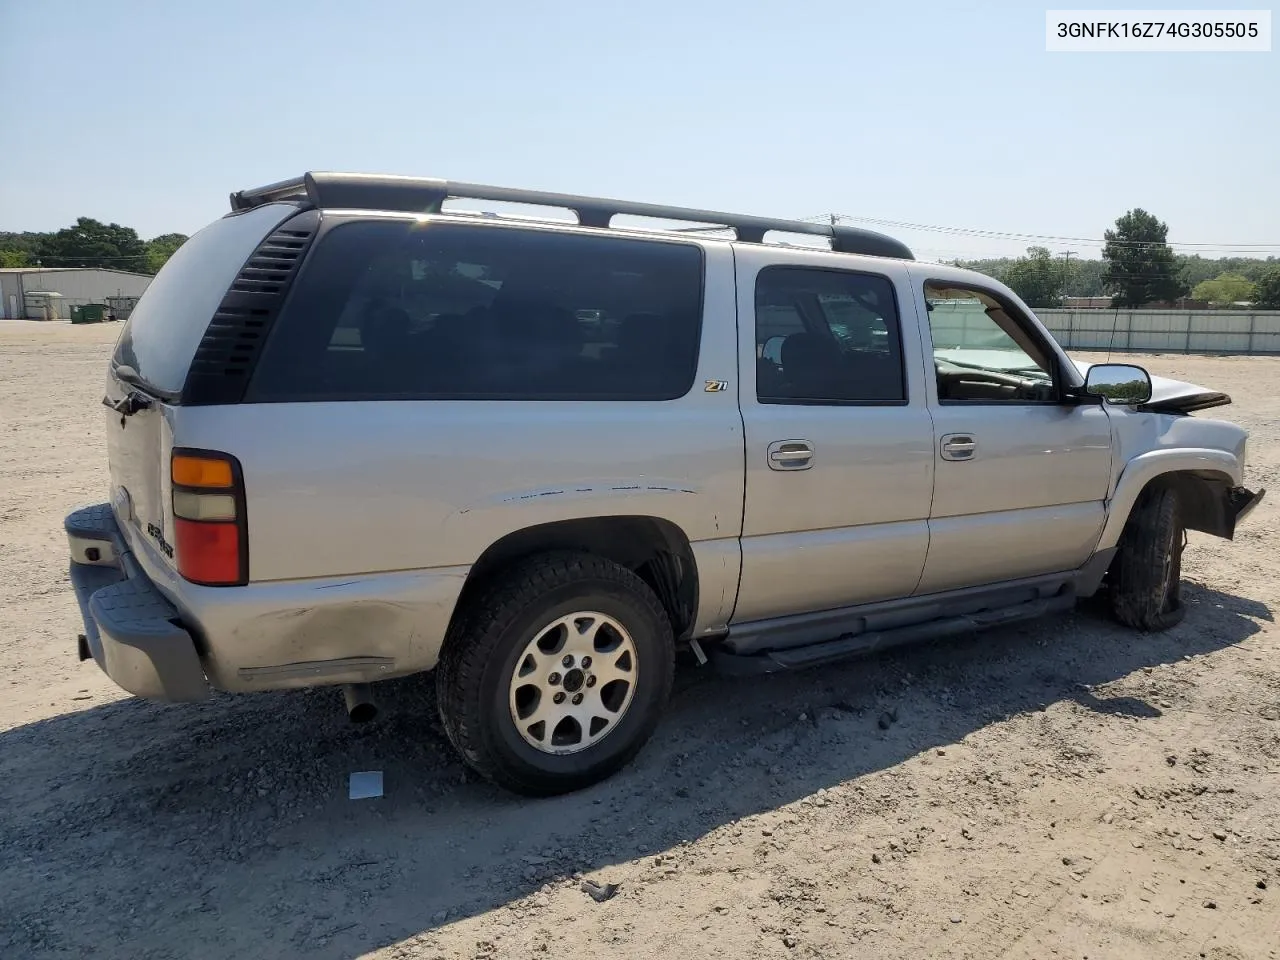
(656, 550)
(1202, 499)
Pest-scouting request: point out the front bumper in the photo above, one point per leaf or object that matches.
(1237, 504)
(131, 630)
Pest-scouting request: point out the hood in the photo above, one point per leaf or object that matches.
(1175, 396)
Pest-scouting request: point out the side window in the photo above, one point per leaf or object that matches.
(980, 353)
(827, 336)
(395, 310)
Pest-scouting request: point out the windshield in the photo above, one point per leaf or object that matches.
(972, 331)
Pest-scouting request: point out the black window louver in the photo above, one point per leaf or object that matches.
(225, 358)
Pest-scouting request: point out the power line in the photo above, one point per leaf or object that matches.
(1012, 235)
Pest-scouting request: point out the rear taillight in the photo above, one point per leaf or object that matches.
(210, 536)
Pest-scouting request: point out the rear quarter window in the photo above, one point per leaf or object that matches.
(398, 310)
(162, 333)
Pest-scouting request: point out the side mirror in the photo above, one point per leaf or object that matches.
(1118, 383)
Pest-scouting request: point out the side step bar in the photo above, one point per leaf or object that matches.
(860, 644)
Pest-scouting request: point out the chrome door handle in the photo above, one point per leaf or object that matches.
(959, 446)
(790, 455)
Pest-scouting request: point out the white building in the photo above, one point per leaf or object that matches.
(20, 289)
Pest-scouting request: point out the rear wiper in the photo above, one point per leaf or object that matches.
(129, 404)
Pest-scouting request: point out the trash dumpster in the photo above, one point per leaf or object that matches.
(89, 313)
(77, 312)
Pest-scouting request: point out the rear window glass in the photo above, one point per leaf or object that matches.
(162, 333)
(395, 310)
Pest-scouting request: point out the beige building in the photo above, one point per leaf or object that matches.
(39, 293)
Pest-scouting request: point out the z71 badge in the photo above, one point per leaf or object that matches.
(717, 386)
(157, 535)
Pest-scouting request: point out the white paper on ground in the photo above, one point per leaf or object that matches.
(366, 784)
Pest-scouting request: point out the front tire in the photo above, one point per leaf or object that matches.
(554, 676)
(1146, 574)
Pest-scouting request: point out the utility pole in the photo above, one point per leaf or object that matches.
(1066, 270)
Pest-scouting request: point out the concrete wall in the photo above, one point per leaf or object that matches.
(1171, 331)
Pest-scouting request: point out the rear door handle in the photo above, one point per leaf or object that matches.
(959, 446)
(790, 455)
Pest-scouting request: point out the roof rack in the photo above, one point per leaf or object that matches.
(365, 191)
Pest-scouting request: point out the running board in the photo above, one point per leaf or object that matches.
(860, 644)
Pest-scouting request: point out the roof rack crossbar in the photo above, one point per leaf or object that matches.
(284, 190)
(426, 195)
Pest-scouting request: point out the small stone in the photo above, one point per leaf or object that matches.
(956, 918)
(1138, 844)
(1195, 836)
(875, 858)
(767, 832)
(1067, 861)
(789, 941)
(1210, 905)
(885, 721)
(1171, 760)
(1023, 892)
(942, 752)
(1108, 817)
(1219, 834)
(1261, 884)
(599, 892)
(804, 718)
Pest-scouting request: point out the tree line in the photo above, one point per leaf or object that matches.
(1138, 268)
(89, 243)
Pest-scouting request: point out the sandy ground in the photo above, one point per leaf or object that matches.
(1059, 789)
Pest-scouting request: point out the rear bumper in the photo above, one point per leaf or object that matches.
(163, 638)
(131, 630)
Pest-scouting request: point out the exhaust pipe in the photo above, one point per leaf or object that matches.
(361, 707)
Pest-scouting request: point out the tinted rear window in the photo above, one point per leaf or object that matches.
(161, 335)
(395, 310)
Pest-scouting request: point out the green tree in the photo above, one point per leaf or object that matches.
(93, 244)
(15, 258)
(1225, 289)
(161, 248)
(27, 242)
(1037, 278)
(1266, 293)
(1141, 267)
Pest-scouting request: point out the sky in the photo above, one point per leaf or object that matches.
(939, 114)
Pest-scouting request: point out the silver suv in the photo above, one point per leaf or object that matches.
(355, 434)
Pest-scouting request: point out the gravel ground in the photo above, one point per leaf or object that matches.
(1058, 789)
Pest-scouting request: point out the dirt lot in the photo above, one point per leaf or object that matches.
(1059, 789)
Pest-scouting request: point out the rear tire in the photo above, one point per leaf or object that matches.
(495, 674)
(1146, 574)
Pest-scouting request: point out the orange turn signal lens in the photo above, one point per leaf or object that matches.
(201, 472)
